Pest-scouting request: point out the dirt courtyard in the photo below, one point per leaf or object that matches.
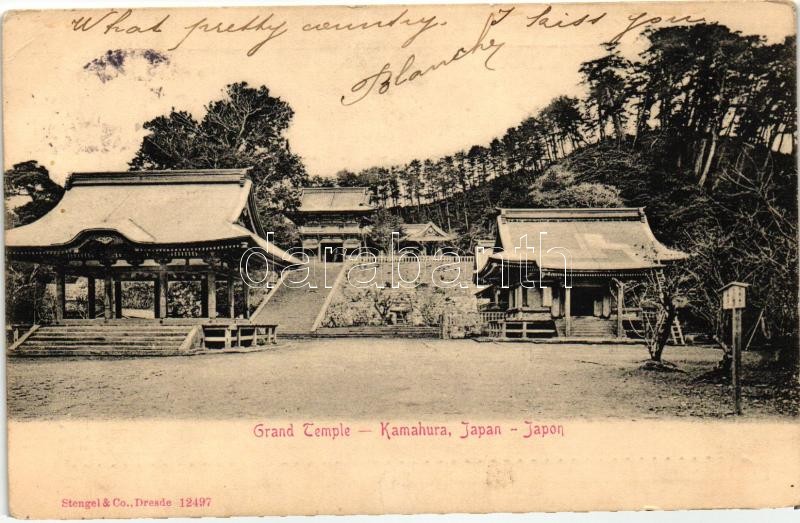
(379, 378)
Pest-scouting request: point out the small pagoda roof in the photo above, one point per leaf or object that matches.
(596, 240)
(425, 233)
(150, 208)
(335, 199)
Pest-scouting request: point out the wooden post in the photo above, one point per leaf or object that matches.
(117, 299)
(211, 294)
(61, 294)
(157, 298)
(91, 298)
(246, 299)
(555, 305)
(162, 287)
(734, 299)
(620, 309)
(568, 310)
(736, 367)
(108, 295)
(231, 296)
(204, 297)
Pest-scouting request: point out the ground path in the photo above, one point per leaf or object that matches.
(378, 378)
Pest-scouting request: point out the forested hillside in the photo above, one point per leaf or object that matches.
(697, 101)
(699, 128)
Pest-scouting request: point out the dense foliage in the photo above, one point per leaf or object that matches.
(246, 128)
(699, 128)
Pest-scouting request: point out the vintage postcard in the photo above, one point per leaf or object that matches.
(401, 259)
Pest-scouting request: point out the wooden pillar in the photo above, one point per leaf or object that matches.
(606, 313)
(61, 293)
(211, 294)
(156, 298)
(246, 299)
(91, 298)
(736, 363)
(231, 296)
(204, 297)
(108, 295)
(555, 305)
(568, 310)
(162, 286)
(620, 309)
(117, 299)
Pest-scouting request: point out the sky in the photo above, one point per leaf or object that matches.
(73, 118)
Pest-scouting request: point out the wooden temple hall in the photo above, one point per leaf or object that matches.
(333, 221)
(160, 227)
(597, 249)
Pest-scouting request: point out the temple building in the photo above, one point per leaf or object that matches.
(561, 272)
(151, 226)
(426, 238)
(333, 221)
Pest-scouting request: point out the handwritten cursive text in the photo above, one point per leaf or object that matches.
(384, 79)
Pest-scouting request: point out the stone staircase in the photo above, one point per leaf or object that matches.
(587, 327)
(135, 339)
(295, 310)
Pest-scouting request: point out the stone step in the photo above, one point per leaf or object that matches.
(97, 334)
(96, 351)
(107, 343)
(293, 309)
(106, 337)
(109, 340)
(100, 343)
(116, 328)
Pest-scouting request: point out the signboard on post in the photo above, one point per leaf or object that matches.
(733, 295)
(734, 300)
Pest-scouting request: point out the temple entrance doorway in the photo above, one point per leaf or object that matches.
(584, 300)
(332, 252)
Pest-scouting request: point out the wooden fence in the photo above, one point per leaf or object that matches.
(422, 258)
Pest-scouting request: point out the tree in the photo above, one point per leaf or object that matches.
(558, 187)
(608, 89)
(345, 178)
(563, 116)
(770, 112)
(662, 293)
(246, 128)
(698, 77)
(384, 223)
(320, 181)
(30, 193)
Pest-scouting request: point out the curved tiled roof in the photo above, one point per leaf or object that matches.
(148, 207)
(592, 239)
(425, 232)
(335, 199)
